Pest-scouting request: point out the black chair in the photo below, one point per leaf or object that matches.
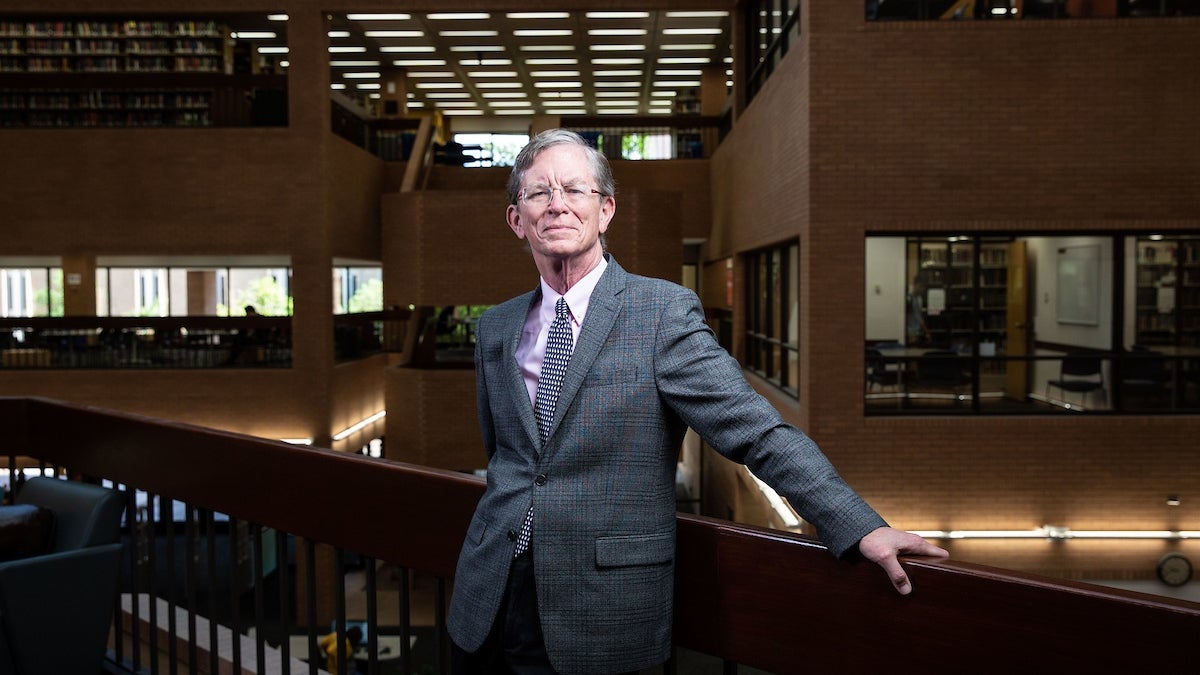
(880, 373)
(1145, 378)
(1081, 374)
(56, 608)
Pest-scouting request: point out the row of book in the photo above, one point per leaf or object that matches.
(111, 28)
(101, 100)
(114, 64)
(91, 47)
(106, 119)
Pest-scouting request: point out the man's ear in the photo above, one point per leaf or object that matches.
(607, 209)
(513, 217)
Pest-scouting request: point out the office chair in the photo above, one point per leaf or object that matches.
(1079, 373)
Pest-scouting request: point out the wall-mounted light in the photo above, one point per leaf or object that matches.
(1173, 500)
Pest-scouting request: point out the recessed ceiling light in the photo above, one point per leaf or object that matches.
(624, 61)
(497, 85)
(394, 33)
(254, 35)
(406, 49)
(339, 33)
(551, 62)
(537, 15)
(525, 111)
(616, 73)
(672, 73)
(547, 48)
(367, 85)
(418, 74)
(272, 50)
(347, 50)
(475, 49)
(676, 83)
(560, 94)
(438, 85)
(337, 85)
(618, 85)
(277, 17)
(617, 15)
(492, 73)
(616, 31)
(485, 62)
(353, 64)
(618, 111)
(691, 47)
(361, 76)
(468, 33)
(503, 94)
(692, 31)
(379, 17)
(660, 111)
(557, 104)
(698, 15)
(417, 63)
(612, 94)
(624, 102)
(455, 104)
(457, 16)
(617, 48)
(554, 73)
(462, 113)
(564, 84)
(509, 104)
(682, 60)
(447, 95)
(540, 32)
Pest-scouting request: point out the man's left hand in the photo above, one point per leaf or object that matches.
(884, 545)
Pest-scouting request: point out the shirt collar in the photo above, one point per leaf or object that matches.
(577, 296)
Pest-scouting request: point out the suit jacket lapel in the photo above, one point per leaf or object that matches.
(513, 325)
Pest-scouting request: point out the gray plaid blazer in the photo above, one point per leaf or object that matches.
(645, 367)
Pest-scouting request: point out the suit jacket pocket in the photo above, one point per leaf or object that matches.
(637, 549)
(476, 529)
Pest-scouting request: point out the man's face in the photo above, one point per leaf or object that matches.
(567, 227)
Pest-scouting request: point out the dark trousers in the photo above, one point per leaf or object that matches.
(515, 644)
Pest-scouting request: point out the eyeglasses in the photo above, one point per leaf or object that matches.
(541, 196)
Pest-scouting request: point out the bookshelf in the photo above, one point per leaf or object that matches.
(965, 299)
(127, 72)
(1168, 291)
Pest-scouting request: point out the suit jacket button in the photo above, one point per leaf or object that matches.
(540, 480)
(512, 536)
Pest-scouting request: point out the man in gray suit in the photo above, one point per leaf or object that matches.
(568, 563)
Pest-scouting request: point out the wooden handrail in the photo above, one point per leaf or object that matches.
(764, 598)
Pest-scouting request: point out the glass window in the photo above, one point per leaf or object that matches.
(357, 289)
(192, 291)
(1032, 323)
(772, 315)
(31, 291)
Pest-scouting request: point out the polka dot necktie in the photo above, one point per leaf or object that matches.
(550, 382)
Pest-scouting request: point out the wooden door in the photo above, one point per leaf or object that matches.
(1017, 327)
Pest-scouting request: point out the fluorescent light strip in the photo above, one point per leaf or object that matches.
(476, 48)
(438, 85)
(458, 16)
(625, 85)
(277, 17)
(446, 95)
(509, 104)
(616, 32)
(616, 73)
(678, 73)
(617, 48)
(418, 74)
(406, 49)
(358, 426)
(683, 60)
(617, 15)
(394, 33)
(611, 104)
(468, 33)
(676, 83)
(503, 94)
(485, 62)
(547, 48)
(1052, 532)
(272, 50)
(491, 73)
(537, 15)
(360, 76)
(253, 35)
(497, 85)
(542, 32)
(353, 64)
(612, 94)
(551, 62)
(555, 85)
(561, 94)
(417, 63)
(339, 33)
(379, 17)
(347, 50)
(622, 61)
(618, 111)
(524, 111)
(691, 31)
(698, 15)
(456, 104)
(554, 73)
(691, 47)
(461, 113)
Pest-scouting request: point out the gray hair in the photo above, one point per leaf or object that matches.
(551, 137)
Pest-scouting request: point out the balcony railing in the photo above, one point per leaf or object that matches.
(288, 519)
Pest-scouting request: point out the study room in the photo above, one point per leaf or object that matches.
(1032, 324)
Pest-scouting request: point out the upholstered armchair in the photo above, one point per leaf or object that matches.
(56, 606)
